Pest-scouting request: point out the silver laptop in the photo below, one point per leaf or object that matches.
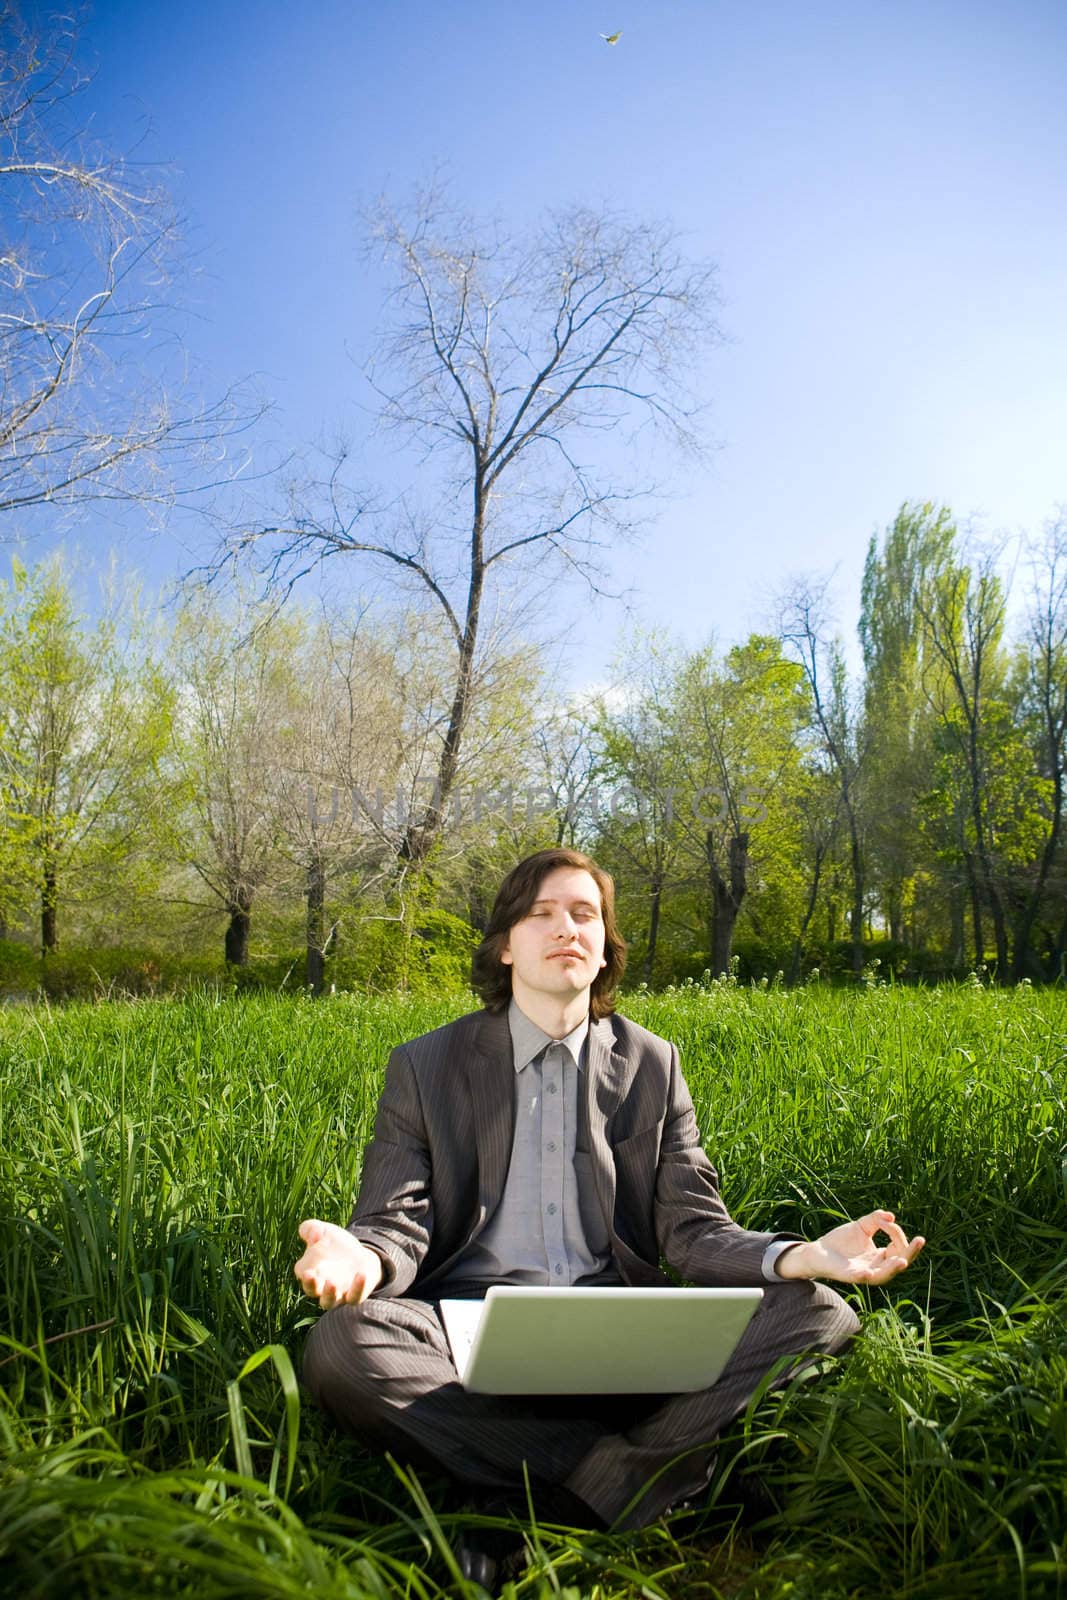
(539, 1340)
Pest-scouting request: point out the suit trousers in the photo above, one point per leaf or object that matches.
(384, 1371)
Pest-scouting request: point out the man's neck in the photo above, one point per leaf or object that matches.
(556, 1016)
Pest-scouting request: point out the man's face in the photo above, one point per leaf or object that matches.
(558, 947)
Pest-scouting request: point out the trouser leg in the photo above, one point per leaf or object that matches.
(384, 1370)
(794, 1319)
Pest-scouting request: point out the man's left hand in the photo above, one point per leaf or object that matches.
(849, 1254)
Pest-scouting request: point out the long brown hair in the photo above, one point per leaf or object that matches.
(491, 977)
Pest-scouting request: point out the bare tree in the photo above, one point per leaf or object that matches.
(345, 746)
(505, 361)
(837, 726)
(233, 735)
(568, 769)
(819, 810)
(85, 253)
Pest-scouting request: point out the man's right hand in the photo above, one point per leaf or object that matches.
(335, 1269)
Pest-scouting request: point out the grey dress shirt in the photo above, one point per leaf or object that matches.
(549, 1227)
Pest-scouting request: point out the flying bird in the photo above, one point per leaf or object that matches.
(611, 38)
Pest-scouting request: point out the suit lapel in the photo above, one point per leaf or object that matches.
(607, 1078)
(491, 1083)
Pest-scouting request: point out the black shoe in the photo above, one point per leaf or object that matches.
(554, 1502)
(759, 1502)
(477, 1566)
(490, 1556)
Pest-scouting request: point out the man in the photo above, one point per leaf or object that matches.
(546, 1139)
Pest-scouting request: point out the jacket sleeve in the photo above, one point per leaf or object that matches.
(695, 1232)
(393, 1213)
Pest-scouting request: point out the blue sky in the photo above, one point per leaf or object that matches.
(882, 185)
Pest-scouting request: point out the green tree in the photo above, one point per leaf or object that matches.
(640, 837)
(1043, 697)
(705, 754)
(739, 723)
(898, 661)
(1013, 803)
(83, 724)
(963, 614)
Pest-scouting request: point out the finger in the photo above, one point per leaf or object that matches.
(311, 1230)
(898, 1238)
(885, 1269)
(892, 1264)
(875, 1220)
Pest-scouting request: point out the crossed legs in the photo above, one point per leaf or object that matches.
(383, 1369)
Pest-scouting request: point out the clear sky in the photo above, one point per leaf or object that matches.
(882, 183)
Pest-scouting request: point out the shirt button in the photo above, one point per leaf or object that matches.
(558, 1270)
(552, 1088)
(552, 1209)
(551, 1145)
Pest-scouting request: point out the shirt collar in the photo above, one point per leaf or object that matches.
(528, 1040)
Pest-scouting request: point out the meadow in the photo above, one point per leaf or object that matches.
(156, 1158)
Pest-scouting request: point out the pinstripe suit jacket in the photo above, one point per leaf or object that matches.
(434, 1172)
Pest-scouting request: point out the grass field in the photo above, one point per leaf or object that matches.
(156, 1158)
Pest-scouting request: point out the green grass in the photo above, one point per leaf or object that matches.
(156, 1158)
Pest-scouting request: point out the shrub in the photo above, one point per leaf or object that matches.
(19, 969)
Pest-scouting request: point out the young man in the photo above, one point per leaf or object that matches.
(546, 1139)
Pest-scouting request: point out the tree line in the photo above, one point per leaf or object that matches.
(911, 814)
(229, 779)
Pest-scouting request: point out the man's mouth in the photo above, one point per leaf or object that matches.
(555, 955)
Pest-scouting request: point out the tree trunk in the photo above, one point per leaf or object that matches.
(976, 911)
(419, 836)
(896, 914)
(1000, 931)
(856, 915)
(49, 907)
(315, 893)
(984, 860)
(240, 910)
(809, 912)
(1022, 954)
(726, 898)
(653, 928)
(957, 911)
(1058, 955)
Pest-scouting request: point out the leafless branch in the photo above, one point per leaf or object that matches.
(87, 254)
